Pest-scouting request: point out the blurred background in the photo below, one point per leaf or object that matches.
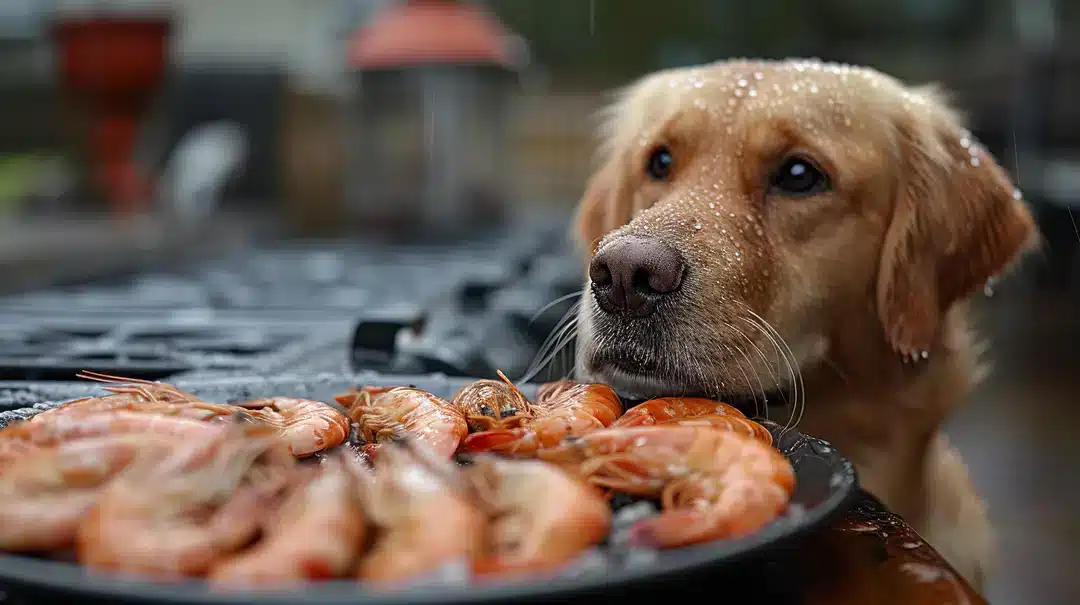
(212, 162)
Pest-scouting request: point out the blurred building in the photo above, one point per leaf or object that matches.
(277, 69)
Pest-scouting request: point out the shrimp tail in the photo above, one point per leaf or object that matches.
(672, 529)
(506, 441)
(685, 527)
(743, 508)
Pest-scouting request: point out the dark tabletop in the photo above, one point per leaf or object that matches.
(871, 556)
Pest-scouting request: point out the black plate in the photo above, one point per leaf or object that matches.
(825, 483)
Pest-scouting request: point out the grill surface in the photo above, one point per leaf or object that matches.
(460, 309)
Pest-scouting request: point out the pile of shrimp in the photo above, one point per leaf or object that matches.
(155, 481)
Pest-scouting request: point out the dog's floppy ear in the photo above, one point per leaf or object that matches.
(957, 222)
(604, 207)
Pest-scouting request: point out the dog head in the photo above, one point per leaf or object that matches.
(744, 209)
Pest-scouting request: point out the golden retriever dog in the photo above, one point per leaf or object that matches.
(807, 232)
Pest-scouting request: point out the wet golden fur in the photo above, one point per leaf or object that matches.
(851, 300)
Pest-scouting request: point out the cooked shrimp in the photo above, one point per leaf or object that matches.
(180, 516)
(492, 404)
(308, 426)
(423, 513)
(45, 496)
(569, 409)
(735, 424)
(88, 405)
(61, 428)
(663, 409)
(146, 390)
(316, 534)
(692, 411)
(194, 410)
(713, 483)
(554, 389)
(543, 517)
(389, 414)
(13, 450)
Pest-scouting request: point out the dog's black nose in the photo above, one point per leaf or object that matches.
(632, 273)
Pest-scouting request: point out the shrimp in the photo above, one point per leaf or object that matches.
(549, 390)
(663, 409)
(145, 390)
(570, 409)
(317, 533)
(390, 414)
(543, 517)
(735, 424)
(712, 483)
(45, 496)
(13, 450)
(139, 395)
(180, 516)
(492, 404)
(691, 411)
(308, 426)
(195, 410)
(61, 428)
(424, 514)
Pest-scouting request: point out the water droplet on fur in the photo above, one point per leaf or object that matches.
(752, 92)
(712, 205)
(697, 227)
(974, 161)
(742, 82)
(1017, 194)
(738, 92)
(758, 75)
(965, 142)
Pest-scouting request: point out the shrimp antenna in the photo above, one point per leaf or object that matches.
(511, 384)
(100, 377)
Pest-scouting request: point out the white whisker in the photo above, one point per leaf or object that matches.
(781, 357)
(799, 387)
(746, 377)
(555, 302)
(564, 333)
(761, 385)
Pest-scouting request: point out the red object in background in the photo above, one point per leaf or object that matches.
(113, 66)
(427, 32)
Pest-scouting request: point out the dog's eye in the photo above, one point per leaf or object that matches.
(659, 165)
(798, 176)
